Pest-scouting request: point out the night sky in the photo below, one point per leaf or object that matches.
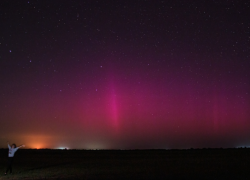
(119, 74)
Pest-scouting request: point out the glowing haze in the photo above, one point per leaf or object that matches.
(125, 75)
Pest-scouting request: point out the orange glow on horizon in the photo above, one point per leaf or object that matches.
(37, 141)
(36, 146)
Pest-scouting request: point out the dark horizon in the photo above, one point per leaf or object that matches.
(177, 149)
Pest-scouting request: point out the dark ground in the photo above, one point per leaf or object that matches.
(128, 164)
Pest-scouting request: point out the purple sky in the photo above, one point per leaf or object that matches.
(125, 74)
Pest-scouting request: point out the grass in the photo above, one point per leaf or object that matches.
(133, 164)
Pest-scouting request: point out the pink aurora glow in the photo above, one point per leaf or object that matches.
(126, 75)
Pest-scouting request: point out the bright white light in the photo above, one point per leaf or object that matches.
(62, 148)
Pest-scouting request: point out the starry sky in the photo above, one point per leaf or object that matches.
(136, 74)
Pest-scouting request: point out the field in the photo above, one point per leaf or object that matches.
(128, 164)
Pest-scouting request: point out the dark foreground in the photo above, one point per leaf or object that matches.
(133, 164)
